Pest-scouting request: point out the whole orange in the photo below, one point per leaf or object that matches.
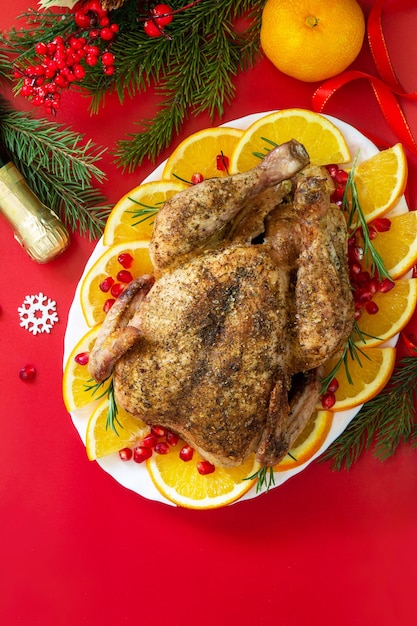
(312, 39)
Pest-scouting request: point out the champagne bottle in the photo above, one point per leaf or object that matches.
(38, 229)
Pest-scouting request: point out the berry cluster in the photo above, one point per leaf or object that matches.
(160, 16)
(61, 62)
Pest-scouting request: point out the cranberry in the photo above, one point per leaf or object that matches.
(82, 358)
(28, 372)
(125, 454)
(141, 454)
(205, 467)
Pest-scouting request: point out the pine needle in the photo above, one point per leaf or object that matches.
(59, 166)
(385, 421)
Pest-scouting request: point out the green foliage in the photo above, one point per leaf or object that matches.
(59, 166)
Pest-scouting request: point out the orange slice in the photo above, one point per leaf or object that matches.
(323, 141)
(133, 216)
(180, 482)
(308, 442)
(206, 152)
(398, 245)
(102, 440)
(396, 308)
(92, 298)
(381, 181)
(369, 375)
(78, 388)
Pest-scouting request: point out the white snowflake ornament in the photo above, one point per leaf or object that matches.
(38, 314)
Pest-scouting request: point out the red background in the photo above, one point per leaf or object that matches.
(325, 548)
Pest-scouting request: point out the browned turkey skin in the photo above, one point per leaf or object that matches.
(223, 346)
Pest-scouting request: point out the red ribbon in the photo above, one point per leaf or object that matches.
(386, 87)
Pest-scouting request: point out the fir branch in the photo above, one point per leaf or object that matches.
(387, 420)
(59, 167)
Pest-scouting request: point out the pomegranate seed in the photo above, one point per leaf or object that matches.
(172, 438)
(141, 454)
(338, 194)
(186, 453)
(197, 178)
(28, 372)
(108, 304)
(371, 308)
(149, 441)
(82, 358)
(332, 169)
(106, 284)
(124, 276)
(328, 400)
(125, 259)
(158, 431)
(358, 314)
(381, 224)
(373, 233)
(125, 454)
(364, 295)
(333, 386)
(341, 177)
(356, 253)
(116, 290)
(205, 467)
(355, 267)
(363, 279)
(222, 163)
(386, 285)
(162, 447)
(373, 285)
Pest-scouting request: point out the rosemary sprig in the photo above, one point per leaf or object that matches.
(59, 166)
(387, 420)
(112, 412)
(265, 478)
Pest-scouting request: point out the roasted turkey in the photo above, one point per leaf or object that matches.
(249, 298)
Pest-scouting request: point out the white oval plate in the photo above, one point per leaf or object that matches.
(136, 477)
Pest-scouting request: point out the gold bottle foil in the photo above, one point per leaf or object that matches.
(38, 229)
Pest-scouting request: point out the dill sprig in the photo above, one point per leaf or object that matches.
(385, 421)
(59, 166)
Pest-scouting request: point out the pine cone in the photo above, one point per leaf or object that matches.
(109, 5)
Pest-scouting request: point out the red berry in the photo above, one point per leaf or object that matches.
(162, 14)
(82, 19)
(82, 358)
(152, 29)
(41, 48)
(106, 34)
(186, 453)
(125, 454)
(141, 454)
(108, 58)
(28, 372)
(109, 70)
(205, 467)
(91, 60)
(126, 260)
